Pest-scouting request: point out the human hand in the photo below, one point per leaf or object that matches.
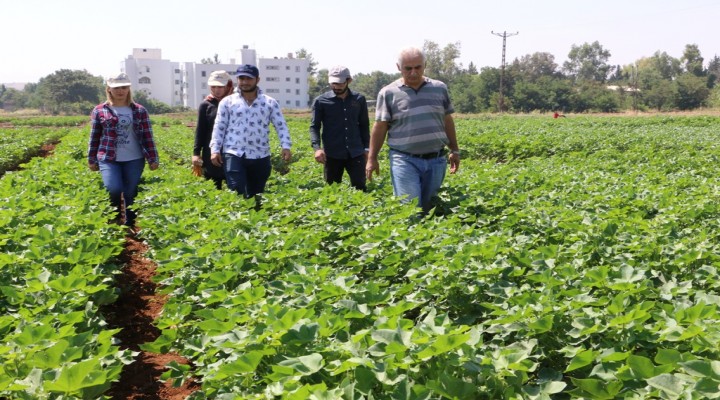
(320, 156)
(94, 167)
(370, 166)
(154, 166)
(286, 155)
(216, 159)
(454, 162)
(197, 161)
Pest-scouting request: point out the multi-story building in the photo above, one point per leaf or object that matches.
(159, 78)
(185, 84)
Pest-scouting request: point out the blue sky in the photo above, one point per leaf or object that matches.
(40, 36)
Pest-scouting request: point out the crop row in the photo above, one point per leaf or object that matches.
(56, 272)
(21, 144)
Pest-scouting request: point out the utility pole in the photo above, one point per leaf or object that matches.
(503, 35)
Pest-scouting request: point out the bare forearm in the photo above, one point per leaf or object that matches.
(377, 137)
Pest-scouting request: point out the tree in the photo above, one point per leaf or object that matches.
(440, 63)
(713, 71)
(70, 91)
(370, 84)
(693, 61)
(151, 105)
(13, 99)
(214, 60)
(665, 65)
(692, 91)
(317, 85)
(471, 69)
(312, 64)
(588, 62)
(532, 67)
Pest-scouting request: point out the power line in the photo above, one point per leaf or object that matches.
(504, 35)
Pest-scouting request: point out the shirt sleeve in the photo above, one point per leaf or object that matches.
(364, 123)
(382, 109)
(220, 127)
(278, 121)
(95, 133)
(201, 129)
(148, 142)
(316, 124)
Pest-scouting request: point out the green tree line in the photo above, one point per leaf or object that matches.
(586, 82)
(69, 92)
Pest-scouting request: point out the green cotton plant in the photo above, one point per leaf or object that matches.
(18, 144)
(56, 272)
(568, 258)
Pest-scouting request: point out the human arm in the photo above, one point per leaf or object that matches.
(315, 127)
(96, 129)
(144, 126)
(218, 132)
(283, 133)
(364, 126)
(454, 157)
(203, 131)
(377, 137)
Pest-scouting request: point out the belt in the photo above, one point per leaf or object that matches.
(426, 156)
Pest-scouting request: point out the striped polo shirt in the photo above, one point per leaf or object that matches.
(416, 119)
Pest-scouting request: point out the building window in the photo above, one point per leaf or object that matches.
(272, 90)
(287, 67)
(288, 90)
(177, 81)
(297, 80)
(297, 69)
(272, 79)
(297, 103)
(144, 80)
(203, 85)
(177, 71)
(147, 69)
(272, 67)
(287, 102)
(297, 91)
(287, 79)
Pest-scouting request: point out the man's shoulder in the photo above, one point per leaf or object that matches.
(357, 95)
(392, 86)
(435, 82)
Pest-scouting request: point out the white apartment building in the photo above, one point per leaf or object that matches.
(185, 84)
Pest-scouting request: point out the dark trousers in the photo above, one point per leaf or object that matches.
(246, 176)
(355, 167)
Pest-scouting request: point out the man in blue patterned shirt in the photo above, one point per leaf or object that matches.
(241, 135)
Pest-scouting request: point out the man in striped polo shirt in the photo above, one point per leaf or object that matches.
(416, 115)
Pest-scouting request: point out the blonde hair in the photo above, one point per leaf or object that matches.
(110, 99)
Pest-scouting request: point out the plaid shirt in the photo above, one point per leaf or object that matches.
(104, 133)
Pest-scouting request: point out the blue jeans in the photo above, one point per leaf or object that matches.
(414, 177)
(246, 176)
(121, 180)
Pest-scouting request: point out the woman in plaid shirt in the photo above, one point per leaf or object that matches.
(121, 139)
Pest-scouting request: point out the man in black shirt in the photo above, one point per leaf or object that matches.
(345, 139)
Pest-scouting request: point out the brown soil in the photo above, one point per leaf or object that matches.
(134, 312)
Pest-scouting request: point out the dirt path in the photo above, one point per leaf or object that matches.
(134, 312)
